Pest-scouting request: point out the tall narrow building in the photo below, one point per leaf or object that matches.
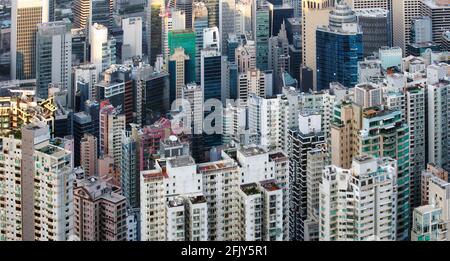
(54, 56)
(25, 17)
(359, 204)
(308, 135)
(82, 13)
(314, 13)
(403, 12)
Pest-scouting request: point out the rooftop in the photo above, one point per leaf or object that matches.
(198, 199)
(53, 150)
(252, 151)
(269, 185)
(250, 189)
(181, 161)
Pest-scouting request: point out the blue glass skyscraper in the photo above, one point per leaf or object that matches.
(339, 47)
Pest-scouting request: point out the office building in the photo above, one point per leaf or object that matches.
(82, 14)
(339, 47)
(376, 27)
(53, 57)
(132, 37)
(438, 11)
(25, 17)
(186, 40)
(178, 66)
(315, 13)
(262, 34)
(103, 50)
(200, 22)
(403, 12)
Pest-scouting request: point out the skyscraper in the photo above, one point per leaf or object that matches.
(262, 34)
(314, 13)
(103, 51)
(200, 20)
(227, 9)
(177, 72)
(186, 6)
(186, 40)
(339, 47)
(54, 56)
(154, 30)
(403, 12)
(376, 27)
(82, 13)
(308, 135)
(438, 11)
(213, 12)
(25, 17)
(132, 37)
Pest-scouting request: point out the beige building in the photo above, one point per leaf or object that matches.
(179, 58)
(403, 11)
(431, 171)
(25, 17)
(99, 211)
(344, 131)
(88, 154)
(314, 14)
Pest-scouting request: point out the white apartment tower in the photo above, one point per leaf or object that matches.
(10, 190)
(359, 203)
(439, 123)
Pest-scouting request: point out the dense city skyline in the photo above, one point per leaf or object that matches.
(224, 120)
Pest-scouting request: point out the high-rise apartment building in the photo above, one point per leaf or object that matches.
(99, 211)
(260, 212)
(359, 204)
(308, 135)
(385, 134)
(111, 124)
(10, 193)
(88, 155)
(438, 101)
(415, 99)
